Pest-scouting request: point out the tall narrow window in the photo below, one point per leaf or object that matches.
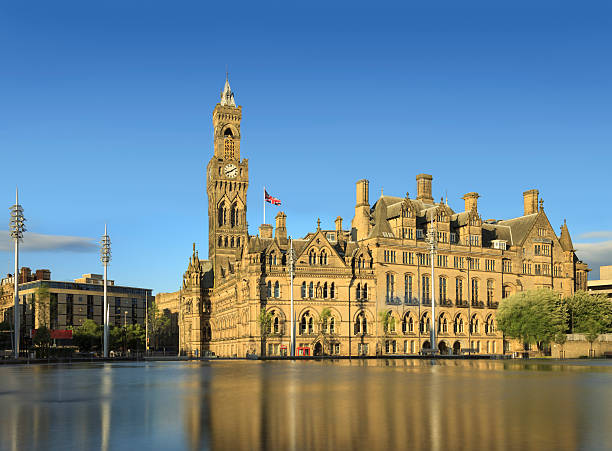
(325, 290)
(269, 290)
(303, 293)
(364, 291)
(332, 290)
(442, 287)
(276, 289)
(311, 290)
(426, 287)
(489, 291)
(458, 290)
(358, 291)
(390, 283)
(407, 288)
(53, 311)
(475, 290)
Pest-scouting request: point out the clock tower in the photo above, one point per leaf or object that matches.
(227, 181)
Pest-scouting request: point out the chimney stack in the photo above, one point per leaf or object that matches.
(530, 201)
(363, 193)
(281, 226)
(265, 231)
(471, 201)
(424, 188)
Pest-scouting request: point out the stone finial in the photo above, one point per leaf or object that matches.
(541, 204)
(318, 224)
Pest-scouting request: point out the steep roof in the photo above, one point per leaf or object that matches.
(520, 226)
(381, 225)
(565, 240)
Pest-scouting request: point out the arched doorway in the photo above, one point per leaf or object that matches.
(442, 348)
(318, 349)
(456, 348)
(426, 345)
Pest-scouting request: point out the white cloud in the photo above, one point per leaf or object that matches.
(599, 234)
(595, 255)
(40, 242)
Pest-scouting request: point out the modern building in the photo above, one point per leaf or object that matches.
(66, 304)
(363, 289)
(604, 284)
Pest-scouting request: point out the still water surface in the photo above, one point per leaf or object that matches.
(358, 405)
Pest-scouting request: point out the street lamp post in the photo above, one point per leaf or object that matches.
(432, 239)
(105, 257)
(17, 227)
(125, 332)
(291, 275)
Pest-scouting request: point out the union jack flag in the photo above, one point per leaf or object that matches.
(272, 200)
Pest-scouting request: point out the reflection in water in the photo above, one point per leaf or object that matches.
(359, 404)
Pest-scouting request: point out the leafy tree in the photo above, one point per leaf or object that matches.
(324, 320)
(560, 338)
(585, 308)
(42, 341)
(385, 320)
(88, 336)
(42, 304)
(159, 325)
(265, 321)
(534, 316)
(135, 337)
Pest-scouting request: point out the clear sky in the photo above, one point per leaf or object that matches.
(105, 117)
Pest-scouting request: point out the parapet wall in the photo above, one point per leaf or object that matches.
(578, 346)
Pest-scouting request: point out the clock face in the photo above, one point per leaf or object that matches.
(230, 170)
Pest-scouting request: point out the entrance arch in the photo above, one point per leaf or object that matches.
(456, 348)
(426, 345)
(443, 348)
(318, 349)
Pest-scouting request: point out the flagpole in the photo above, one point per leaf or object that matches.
(264, 205)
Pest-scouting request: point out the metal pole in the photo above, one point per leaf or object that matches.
(105, 309)
(17, 228)
(291, 274)
(147, 324)
(16, 307)
(433, 235)
(105, 256)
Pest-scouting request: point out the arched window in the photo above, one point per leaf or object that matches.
(276, 289)
(474, 290)
(311, 290)
(489, 325)
(276, 325)
(323, 258)
(303, 323)
(303, 293)
(325, 290)
(312, 257)
(269, 291)
(489, 291)
(238, 242)
(234, 215)
(390, 287)
(332, 290)
(364, 292)
(332, 325)
(319, 291)
(410, 324)
(225, 242)
(358, 293)
(232, 242)
(221, 214)
(474, 325)
(310, 325)
(407, 288)
(361, 324)
(220, 241)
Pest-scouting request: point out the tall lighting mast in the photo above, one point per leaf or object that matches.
(17, 226)
(291, 275)
(105, 257)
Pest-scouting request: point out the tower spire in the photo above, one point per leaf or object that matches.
(227, 96)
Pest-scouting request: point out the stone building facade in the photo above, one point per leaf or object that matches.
(363, 289)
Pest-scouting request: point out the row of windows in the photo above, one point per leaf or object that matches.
(321, 259)
(233, 212)
(442, 287)
(411, 345)
(408, 324)
(319, 290)
(225, 241)
(542, 249)
(541, 269)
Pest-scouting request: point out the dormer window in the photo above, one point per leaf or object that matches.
(499, 244)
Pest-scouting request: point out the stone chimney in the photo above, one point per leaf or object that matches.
(338, 225)
(530, 201)
(281, 226)
(471, 201)
(424, 188)
(360, 227)
(265, 231)
(363, 193)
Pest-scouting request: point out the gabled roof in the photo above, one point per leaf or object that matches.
(381, 225)
(520, 226)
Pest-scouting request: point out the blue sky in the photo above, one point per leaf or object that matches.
(105, 117)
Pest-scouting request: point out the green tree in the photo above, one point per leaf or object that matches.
(88, 336)
(135, 337)
(42, 341)
(534, 316)
(159, 325)
(265, 321)
(385, 320)
(585, 308)
(42, 304)
(324, 320)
